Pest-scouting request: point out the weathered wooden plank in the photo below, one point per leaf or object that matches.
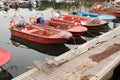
(102, 73)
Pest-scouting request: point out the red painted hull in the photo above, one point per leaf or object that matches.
(109, 11)
(71, 19)
(36, 38)
(77, 34)
(4, 57)
(13, 6)
(76, 30)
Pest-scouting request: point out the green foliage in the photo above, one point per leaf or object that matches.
(62, 6)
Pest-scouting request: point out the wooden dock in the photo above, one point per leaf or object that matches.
(93, 60)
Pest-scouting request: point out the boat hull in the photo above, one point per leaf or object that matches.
(71, 19)
(13, 6)
(76, 30)
(37, 38)
(108, 18)
(50, 49)
(4, 57)
(109, 11)
(77, 34)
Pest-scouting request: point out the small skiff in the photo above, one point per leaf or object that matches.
(79, 20)
(96, 8)
(75, 29)
(108, 18)
(46, 35)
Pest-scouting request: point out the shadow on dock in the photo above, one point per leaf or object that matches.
(50, 49)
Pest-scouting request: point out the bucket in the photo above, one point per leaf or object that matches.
(40, 20)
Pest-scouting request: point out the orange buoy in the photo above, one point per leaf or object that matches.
(12, 23)
(33, 20)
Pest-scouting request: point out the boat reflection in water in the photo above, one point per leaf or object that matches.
(50, 49)
(5, 75)
(97, 31)
(76, 40)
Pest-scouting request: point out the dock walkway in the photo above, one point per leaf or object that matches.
(93, 60)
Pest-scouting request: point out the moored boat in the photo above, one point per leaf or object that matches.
(108, 18)
(49, 49)
(115, 6)
(79, 20)
(13, 5)
(4, 57)
(104, 10)
(46, 35)
(76, 30)
(25, 4)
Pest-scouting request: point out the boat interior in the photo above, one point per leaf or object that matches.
(38, 31)
(60, 25)
(74, 18)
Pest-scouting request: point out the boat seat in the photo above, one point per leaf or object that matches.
(33, 30)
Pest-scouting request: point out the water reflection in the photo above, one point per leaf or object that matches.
(5, 75)
(51, 49)
(97, 31)
(76, 40)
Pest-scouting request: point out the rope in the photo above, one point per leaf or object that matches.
(91, 34)
(74, 40)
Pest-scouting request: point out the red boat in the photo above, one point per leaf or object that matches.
(76, 30)
(13, 5)
(103, 10)
(79, 20)
(47, 35)
(4, 57)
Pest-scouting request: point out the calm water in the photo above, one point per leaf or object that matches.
(22, 57)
